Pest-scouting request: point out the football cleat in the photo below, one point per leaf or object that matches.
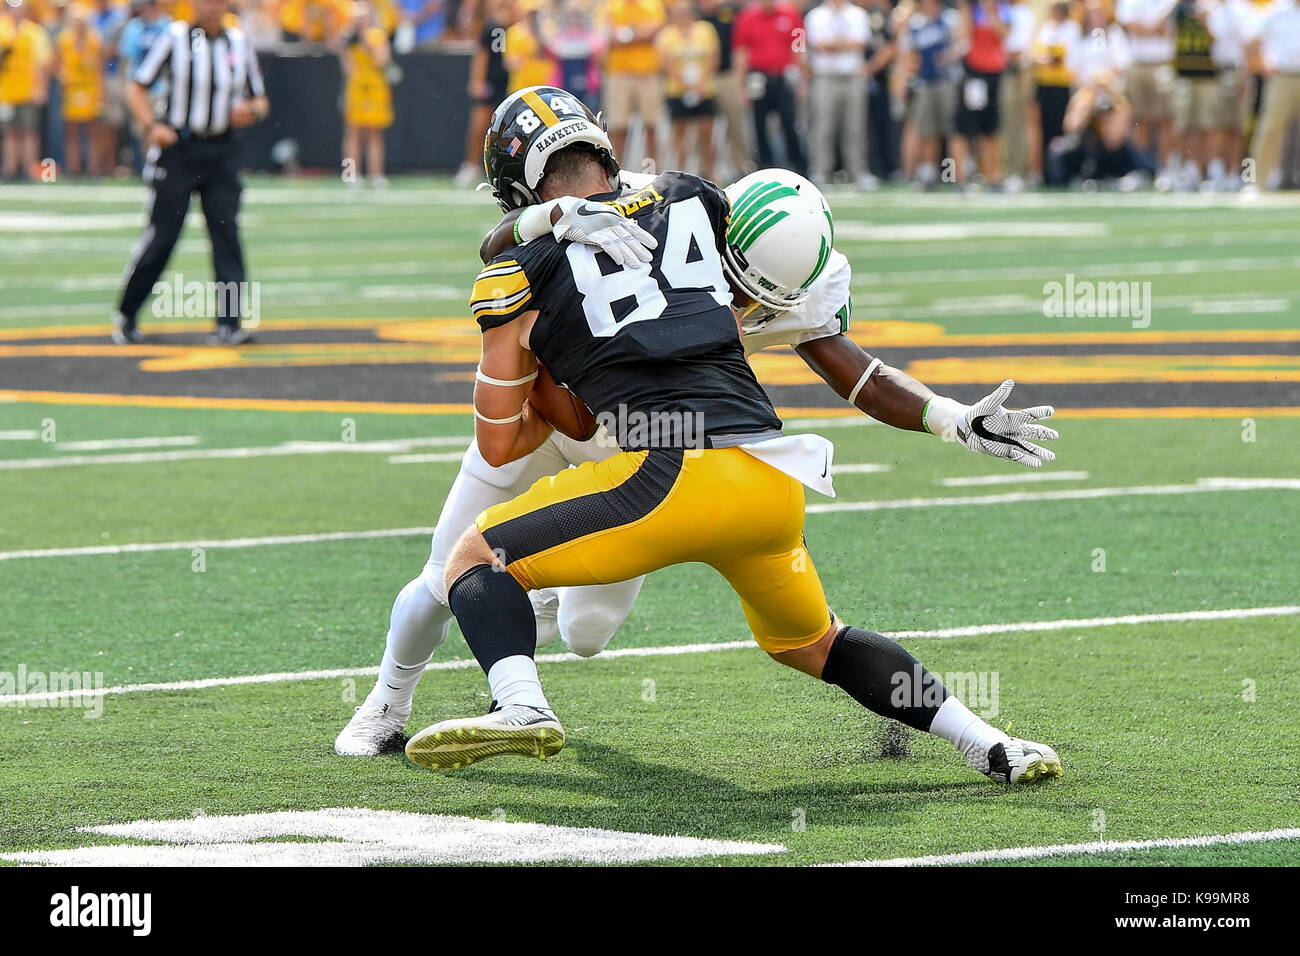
(373, 730)
(1016, 761)
(546, 608)
(515, 729)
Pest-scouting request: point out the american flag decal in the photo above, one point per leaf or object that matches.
(514, 146)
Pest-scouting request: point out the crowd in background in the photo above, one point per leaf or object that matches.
(978, 93)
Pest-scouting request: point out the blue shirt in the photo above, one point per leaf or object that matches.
(928, 39)
(426, 30)
(137, 37)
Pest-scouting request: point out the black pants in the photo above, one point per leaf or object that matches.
(1052, 104)
(779, 98)
(882, 130)
(210, 168)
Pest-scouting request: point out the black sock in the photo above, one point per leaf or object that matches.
(494, 614)
(884, 678)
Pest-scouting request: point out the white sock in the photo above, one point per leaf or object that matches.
(514, 681)
(965, 730)
(418, 625)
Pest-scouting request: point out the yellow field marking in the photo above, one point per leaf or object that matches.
(462, 331)
(252, 404)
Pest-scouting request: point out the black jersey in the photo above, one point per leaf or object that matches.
(658, 339)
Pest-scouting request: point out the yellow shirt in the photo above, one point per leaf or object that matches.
(693, 52)
(635, 57)
(525, 59)
(367, 98)
(79, 74)
(313, 20)
(26, 53)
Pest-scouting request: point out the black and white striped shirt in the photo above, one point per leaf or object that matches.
(206, 75)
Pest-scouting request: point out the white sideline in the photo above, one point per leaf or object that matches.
(390, 446)
(1202, 485)
(105, 444)
(1012, 478)
(1072, 849)
(671, 650)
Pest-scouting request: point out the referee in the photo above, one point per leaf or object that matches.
(213, 87)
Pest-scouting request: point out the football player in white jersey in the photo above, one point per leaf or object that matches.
(767, 269)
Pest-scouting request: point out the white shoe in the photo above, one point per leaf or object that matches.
(546, 608)
(1015, 761)
(868, 183)
(373, 730)
(514, 729)
(466, 175)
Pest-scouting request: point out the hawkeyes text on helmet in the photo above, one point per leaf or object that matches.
(527, 128)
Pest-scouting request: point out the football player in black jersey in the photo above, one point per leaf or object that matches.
(657, 341)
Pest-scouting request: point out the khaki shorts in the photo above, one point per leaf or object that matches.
(1150, 88)
(1197, 101)
(115, 98)
(934, 109)
(626, 94)
(1233, 109)
(20, 117)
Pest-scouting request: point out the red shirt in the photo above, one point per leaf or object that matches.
(769, 36)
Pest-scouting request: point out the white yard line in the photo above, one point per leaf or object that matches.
(393, 446)
(1202, 485)
(1072, 849)
(860, 469)
(665, 651)
(105, 444)
(270, 540)
(1012, 478)
(25, 435)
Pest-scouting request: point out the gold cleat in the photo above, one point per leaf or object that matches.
(516, 730)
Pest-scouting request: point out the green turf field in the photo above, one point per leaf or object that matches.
(159, 569)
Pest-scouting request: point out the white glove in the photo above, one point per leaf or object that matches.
(596, 224)
(989, 428)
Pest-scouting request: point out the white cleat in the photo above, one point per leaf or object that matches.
(512, 730)
(372, 731)
(1016, 761)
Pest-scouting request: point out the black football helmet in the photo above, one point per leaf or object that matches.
(526, 129)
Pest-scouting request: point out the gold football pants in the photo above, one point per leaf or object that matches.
(640, 511)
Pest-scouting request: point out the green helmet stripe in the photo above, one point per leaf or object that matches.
(764, 221)
(755, 199)
(822, 255)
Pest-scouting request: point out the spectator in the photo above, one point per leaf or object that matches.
(108, 21)
(689, 56)
(527, 62)
(489, 82)
(721, 15)
(838, 33)
(985, 25)
(929, 48)
(1052, 44)
(1150, 78)
(260, 22)
(1230, 25)
(882, 116)
(308, 21)
(1196, 92)
(1017, 96)
(140, 32)
(569, 34)
(79, 67)
(426, 19)
(367, 95)
(1275, 39)
(632, 72)
(767, 35)
(24, 85)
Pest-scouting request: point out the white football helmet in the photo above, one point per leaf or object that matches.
(778, 242)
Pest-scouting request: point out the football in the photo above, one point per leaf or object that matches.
(565, 411)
